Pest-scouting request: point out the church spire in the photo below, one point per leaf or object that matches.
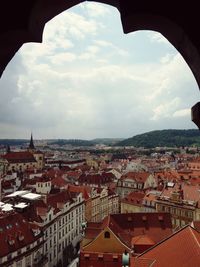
(31, 145)
(8, 149)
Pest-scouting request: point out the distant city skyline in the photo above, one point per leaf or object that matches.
(90, 80)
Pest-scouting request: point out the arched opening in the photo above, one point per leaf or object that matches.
(107, 235)
(29, 18)
(93, 71)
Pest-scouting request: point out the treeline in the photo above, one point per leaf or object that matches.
(13, 142)
(164, 138)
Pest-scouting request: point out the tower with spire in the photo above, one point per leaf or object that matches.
(31, 147)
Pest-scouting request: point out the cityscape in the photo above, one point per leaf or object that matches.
(99, 205)
(99, 158)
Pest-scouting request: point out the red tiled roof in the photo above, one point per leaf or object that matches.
(59, 182)
(15, 233)
(35, 210)
(79, 189)
(133, 224)
(62, 197)
(17, 157)
(156, 226)
(196, 225)
(73, 174)
(180, 249)
(96, 178)
(190, 192)
(134, 198)
(142, 240)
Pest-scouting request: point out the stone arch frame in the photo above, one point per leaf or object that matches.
(24, 21)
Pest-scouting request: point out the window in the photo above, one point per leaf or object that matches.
(18, 263)
(115, 258)
(106, 234)
(28, 261)
(100, 257)
(9, 257)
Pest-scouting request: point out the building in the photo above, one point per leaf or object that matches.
(101, 203)
(133, 202)
(21, 241)
(60, 216)
(182, 201)
(104, 243)
(134, 181)
(24, 160)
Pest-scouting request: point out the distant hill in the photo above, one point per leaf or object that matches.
(61, 142)
(72, 142)
(168, 138)
(79, 142)
(106, 141)
(14, 142)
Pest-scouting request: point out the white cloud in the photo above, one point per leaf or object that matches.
(81, 82)
(96, 9)
(182, 113)
(62, 58)
(158, 38)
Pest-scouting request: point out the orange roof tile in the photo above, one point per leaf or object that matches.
(180, 249)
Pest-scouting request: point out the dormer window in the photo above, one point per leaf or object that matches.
(11, 241)
(20, 237)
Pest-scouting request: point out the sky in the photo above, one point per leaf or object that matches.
(88, 79)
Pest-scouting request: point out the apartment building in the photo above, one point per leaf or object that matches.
(134, 181)
(182, 201)
(60, 216)
(21, 241)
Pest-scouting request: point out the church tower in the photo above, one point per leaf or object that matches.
(31, 147)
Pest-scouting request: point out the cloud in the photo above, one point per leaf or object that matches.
(83, 81)
(95, 9)
(182, 113)
(156, 37)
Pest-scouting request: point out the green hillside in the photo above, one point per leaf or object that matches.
(168, 138)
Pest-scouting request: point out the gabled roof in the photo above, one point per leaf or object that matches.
(19, 157)
(156, 226)
(180, 249)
